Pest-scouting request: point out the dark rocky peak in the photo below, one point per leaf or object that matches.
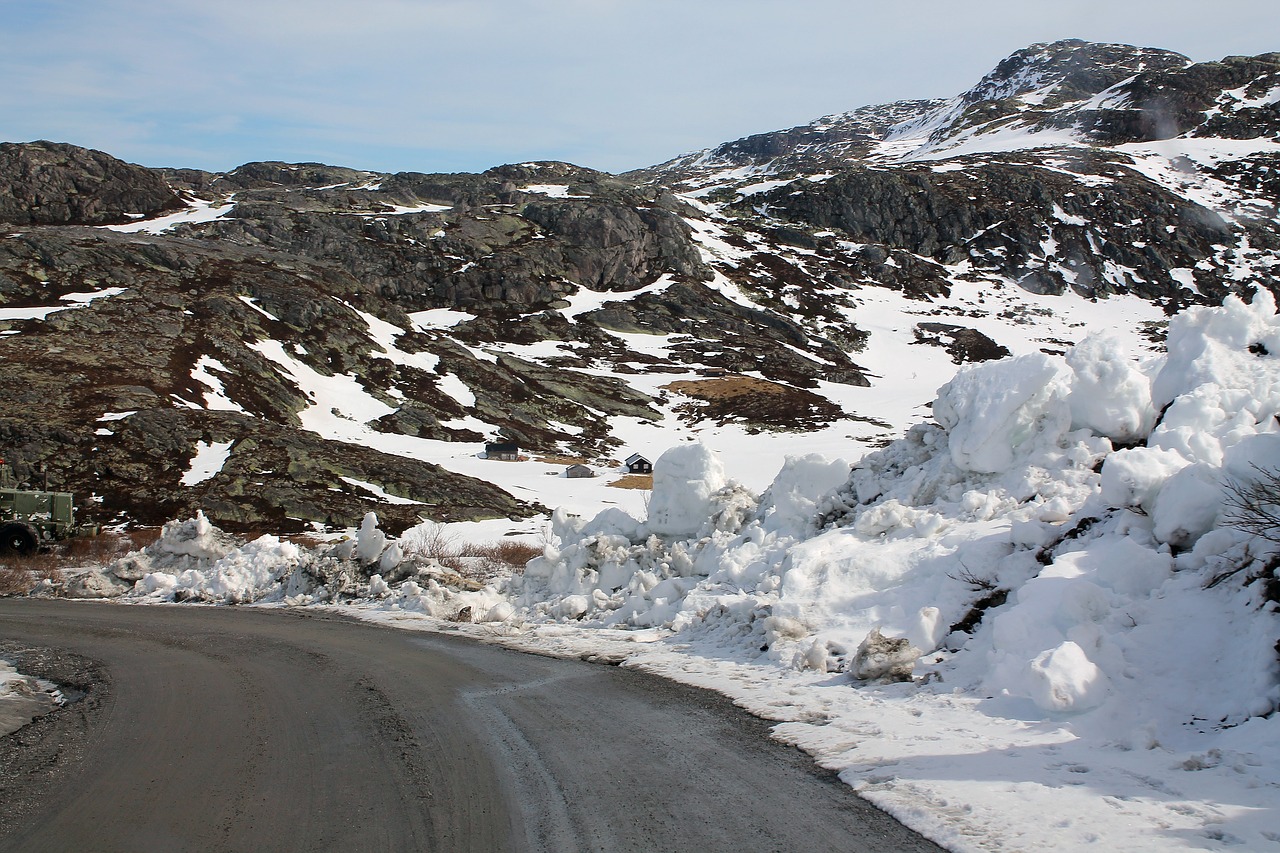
(1074, 68)
(270, 174)
(1228, 99)
(828, 142)
(1040, 87)
(53, 183)
(517, 184)
(545, 171)
(194, 182)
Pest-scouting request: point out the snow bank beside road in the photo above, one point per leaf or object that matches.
(23, 698)
(1084, 635)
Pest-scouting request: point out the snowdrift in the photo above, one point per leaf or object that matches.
(1063, 546)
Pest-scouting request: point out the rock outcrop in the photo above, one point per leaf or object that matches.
(323, 327)
(52, 183)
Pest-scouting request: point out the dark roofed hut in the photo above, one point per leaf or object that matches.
(504, 451)
(637, 464)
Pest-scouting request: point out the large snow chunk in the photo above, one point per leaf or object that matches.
(991, 410)
(370, 541)
(1109, 394)
(1064, 679)
(1244, 461)
(684, 479)
(1240, 341)
(1119, 564)
(1188, 506)
(244, 575)
(790, 504)
(191, 544)
(1132, 478)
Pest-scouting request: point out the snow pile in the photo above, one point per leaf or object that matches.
(1052, 579)
(617, 570)
(1009, 557)
(194, 560)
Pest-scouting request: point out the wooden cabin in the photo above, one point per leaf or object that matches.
(503, 451)
(637, 464)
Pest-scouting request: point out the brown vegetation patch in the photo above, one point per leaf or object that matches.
(633, 481)
(757, 403)
(552, 459)
(104, 547)
(19, 574)
(474, 563)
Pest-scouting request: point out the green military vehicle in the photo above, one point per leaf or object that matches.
(30, 517)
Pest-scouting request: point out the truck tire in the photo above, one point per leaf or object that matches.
(18, 539)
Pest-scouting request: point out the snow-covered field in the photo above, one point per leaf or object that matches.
(1036, 622)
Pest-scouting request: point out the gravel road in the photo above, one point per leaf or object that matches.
(212, 729)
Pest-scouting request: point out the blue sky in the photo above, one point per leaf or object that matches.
(461, 85)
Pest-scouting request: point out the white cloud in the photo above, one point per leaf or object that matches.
(446, 84)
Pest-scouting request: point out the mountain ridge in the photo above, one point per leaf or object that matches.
(334, 327)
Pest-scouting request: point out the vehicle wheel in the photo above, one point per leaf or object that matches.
(18, 539)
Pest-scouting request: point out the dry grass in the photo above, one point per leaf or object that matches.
(510, 553)
(21, 574)
(472, 561)
(726, 388)
(560, 460)
(756, 403)
(105, 547)
(305, 540)
(633, 481)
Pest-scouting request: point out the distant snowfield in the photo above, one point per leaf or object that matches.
(77, 300)
(198, 211)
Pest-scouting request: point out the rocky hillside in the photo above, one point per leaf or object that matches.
(292, 344)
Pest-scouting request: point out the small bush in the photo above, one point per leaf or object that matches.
(103, 548)
(474, 561)
(1254, 505)
(21, 574)
(511, 553)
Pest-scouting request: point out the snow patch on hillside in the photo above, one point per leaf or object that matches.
(197, 211)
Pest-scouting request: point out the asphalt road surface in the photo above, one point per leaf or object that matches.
(225, 729)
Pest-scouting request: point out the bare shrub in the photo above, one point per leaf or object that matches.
(478, 562)
(104, 547)
(430, 541)
(14, 580)
(510, 554)
(138, 538)
(1253, 506)
(19, 574)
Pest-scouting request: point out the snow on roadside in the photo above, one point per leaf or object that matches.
(1080, 647)
(23, 698)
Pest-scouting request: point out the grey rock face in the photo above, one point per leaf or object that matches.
(51, 183)
(999, 215)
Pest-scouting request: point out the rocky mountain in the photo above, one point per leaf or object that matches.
(292, 344)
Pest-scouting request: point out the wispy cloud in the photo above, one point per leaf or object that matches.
(446, 84)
